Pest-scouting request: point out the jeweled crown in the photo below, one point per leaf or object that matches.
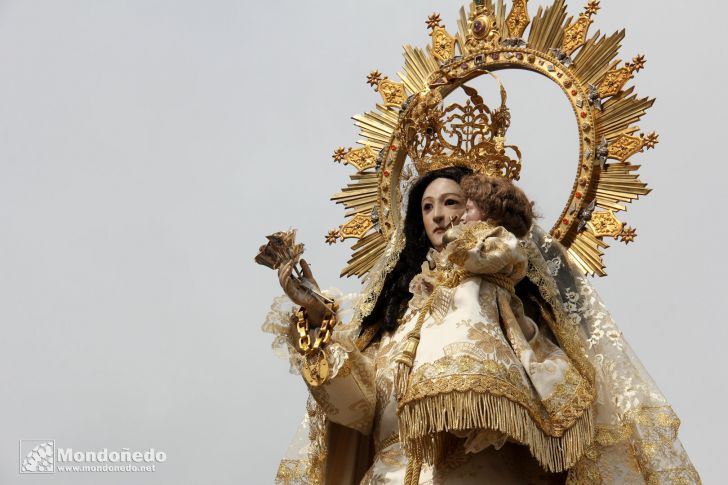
(470, 135)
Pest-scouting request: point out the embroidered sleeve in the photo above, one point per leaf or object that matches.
(348, 395)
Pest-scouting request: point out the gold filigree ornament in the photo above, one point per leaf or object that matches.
(518, 19)
(575, 34)
(416, 127)
(615, 79)
(359, 158)
(393, 93)
(443, 44)
(356, 227)
(606, 224)
(626, 145)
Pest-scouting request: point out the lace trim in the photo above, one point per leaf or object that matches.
(587, 471)
(562, 326)
(291, 472)
(279, 322)
(376, 276)
(647, 433)
(656, 431)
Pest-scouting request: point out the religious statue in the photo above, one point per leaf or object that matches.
(477, 350)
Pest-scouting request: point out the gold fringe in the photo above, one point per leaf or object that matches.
(423, 424)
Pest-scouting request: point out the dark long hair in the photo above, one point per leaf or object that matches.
(392, 300)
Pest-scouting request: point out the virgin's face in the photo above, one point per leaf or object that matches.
(442, 204)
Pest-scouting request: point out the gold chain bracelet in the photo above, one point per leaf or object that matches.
(316, 366)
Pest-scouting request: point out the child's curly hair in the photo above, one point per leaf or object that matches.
(501, 202)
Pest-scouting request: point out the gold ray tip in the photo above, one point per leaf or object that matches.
(374, 78)
(433, 21)
(650, 140)
(592, 8)
(628, 234)
(332, 236)
(637, 64)
(339, 154)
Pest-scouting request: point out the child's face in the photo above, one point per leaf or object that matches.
(472, 212)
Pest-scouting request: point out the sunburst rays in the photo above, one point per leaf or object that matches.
(611, 185)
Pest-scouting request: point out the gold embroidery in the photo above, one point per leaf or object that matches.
(458, 393)
(345, 370)
(318, 437)
(467, 237)
(324, 401)
(650, 433)
(656, 431)
(391, 456)
(290, 472)
(654, 428)
(464, 373)
(560, 399)
(491, 343)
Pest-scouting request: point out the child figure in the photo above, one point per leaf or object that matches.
(497, 199)
(476, 353)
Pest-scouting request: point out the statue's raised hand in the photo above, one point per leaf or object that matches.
(303, 291)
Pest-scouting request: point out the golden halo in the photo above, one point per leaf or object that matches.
(491, 39)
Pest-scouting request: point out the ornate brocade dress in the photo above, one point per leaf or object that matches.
(492, 396)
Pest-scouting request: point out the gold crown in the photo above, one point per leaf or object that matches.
(470, 135)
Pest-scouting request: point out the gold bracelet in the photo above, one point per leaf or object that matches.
(316, 366)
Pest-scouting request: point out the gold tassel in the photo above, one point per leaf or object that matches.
(404, 363)
(412, 475)
(406, 359)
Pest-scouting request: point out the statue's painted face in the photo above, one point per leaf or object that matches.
(443, 204)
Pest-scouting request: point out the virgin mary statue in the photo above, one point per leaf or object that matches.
(476, 352)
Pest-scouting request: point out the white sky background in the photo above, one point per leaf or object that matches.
(147, 147)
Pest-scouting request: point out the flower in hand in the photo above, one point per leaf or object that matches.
(280, 249)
